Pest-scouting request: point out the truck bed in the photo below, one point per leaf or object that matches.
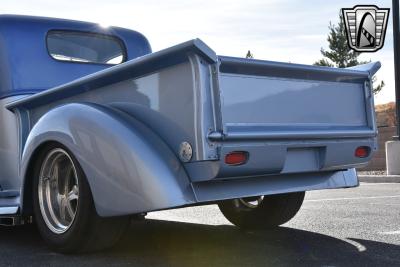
(290, 118)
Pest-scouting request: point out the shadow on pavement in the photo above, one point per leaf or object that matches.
(165, 243)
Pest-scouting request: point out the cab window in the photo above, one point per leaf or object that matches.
(85, 47)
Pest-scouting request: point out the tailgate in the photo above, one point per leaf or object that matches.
(270, 100)
(290, 118)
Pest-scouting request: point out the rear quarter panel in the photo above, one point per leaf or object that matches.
(129, 168)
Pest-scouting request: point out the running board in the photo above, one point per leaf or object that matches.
(8, 210)
(9, 206)
(9, 193)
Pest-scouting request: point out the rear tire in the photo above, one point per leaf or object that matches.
(264, 212)
(63, 206)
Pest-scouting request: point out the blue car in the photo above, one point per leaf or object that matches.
(95, 130)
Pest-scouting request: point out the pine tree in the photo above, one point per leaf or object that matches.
(249, 54)
(339, 54)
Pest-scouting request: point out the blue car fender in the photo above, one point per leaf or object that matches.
(129, 168)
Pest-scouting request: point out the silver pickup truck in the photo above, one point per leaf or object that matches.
(97, 129)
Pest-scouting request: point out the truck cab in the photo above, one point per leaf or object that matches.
(37, 54)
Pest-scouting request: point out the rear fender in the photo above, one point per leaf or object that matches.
(128, 167)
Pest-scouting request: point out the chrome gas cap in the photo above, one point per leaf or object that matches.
(185, 152)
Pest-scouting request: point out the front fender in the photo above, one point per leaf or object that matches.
(128, 167)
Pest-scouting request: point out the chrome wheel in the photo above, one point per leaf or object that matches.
(58, 191)
(251, 202)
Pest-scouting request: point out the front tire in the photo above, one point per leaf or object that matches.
(64, 208)
(264, 212)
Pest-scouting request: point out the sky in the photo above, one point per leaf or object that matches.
(277, 30)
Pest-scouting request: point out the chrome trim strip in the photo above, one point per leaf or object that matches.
(265, 135)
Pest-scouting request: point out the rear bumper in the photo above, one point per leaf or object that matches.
(277, 184)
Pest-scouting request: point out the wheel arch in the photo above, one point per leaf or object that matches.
(117, 154)
(27, 187)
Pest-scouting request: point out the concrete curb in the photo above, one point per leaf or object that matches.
(379, 178)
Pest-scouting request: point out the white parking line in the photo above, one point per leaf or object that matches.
(349, 198)
(377, 184)
(391, 233)
(385, 204)
(359, 246)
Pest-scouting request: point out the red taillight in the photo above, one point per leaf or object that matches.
(362, 152)
(236, 158)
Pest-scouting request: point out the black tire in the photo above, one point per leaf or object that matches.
(88, 231)
(272, 211)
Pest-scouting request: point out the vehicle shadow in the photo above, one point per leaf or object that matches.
(167, 243)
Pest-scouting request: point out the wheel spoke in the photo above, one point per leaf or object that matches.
(73, 194)
(63, 208)
(59, 199)
(58, 190)
(55, 173)
(70, 211)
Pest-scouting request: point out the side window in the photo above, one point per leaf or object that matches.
(85, 47)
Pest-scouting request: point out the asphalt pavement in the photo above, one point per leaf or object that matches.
(348, 227)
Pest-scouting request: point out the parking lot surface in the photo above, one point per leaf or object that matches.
(349, 227)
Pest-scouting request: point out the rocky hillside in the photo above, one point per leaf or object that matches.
(386, 114)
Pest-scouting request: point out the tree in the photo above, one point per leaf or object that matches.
(249, 54)
(339, 54)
